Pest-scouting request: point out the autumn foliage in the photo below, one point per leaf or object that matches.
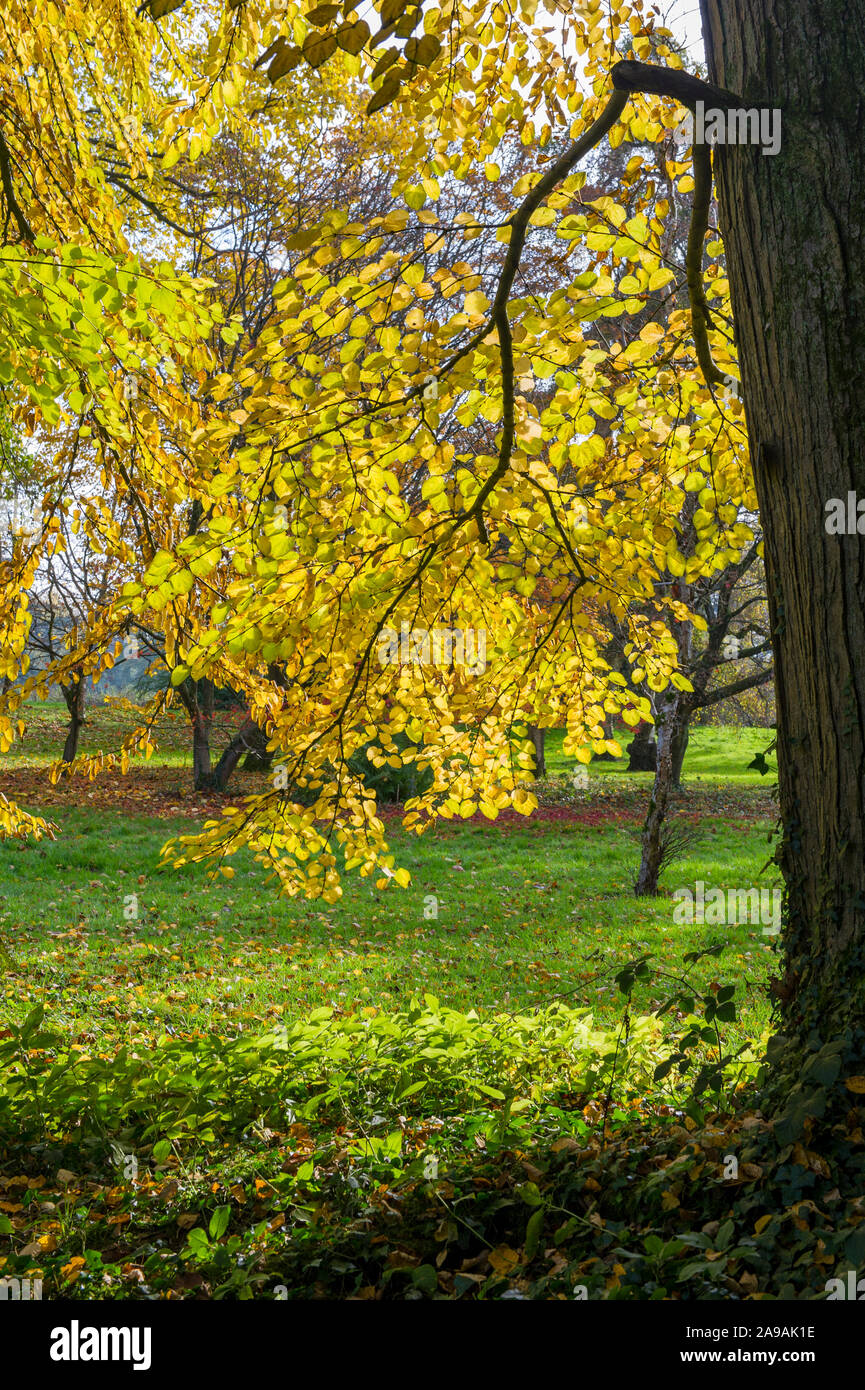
(405, 441)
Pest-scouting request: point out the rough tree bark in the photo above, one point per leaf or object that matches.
(794, 230)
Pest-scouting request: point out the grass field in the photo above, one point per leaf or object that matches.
(159, 1139)
(523, 914)
(506, 915)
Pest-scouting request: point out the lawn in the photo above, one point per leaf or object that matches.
(524, 913)
(497, 916)
(222, 1080)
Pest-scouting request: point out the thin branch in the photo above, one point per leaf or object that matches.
(499, 315)
(736, 688)
(25, 230)
(684, 88)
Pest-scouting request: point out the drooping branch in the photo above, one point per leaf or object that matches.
(688, 90)
(700, 317)
(499, 314)
(628, 78)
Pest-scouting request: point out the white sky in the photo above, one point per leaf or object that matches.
(683, 17)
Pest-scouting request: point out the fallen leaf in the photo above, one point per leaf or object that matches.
(72, 1270)
(503, 1259)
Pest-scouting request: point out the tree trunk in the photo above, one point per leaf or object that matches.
(74, 695)
(537, 737)
(197, 697)
(666, 724)
(681, 739)
(246, 740)
(794, 233)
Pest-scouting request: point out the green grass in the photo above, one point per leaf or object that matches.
(253, 1166)
(506, 915)
(524, 912)
(717, 756)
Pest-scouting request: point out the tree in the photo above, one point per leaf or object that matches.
(324, 490)
(731, 634)
(798, 290)
(311, 551)
(718, 605)
(802, 384)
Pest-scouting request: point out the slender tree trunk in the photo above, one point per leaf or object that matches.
(74, 695)
(537, 737)
(250, 739)
(197, 697)
(794, 231)
(666, 722)
(202, 725)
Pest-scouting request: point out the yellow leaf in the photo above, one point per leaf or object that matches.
(659, 278)
(503, 1259)
(476, 303)
(71, 1271)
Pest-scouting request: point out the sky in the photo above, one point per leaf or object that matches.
(683, 17)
